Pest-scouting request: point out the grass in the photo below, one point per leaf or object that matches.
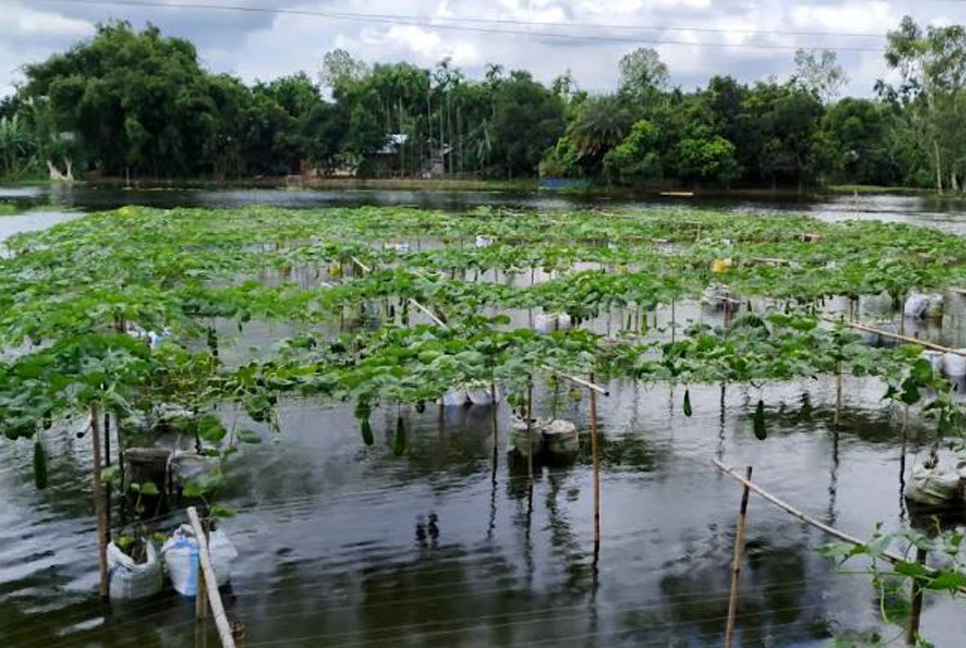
(9, 209)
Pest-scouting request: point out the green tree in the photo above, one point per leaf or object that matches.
(637, 158)
(932, 65)
(705, 156)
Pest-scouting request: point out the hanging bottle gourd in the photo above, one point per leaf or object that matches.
(400, 445)
(40, 464)
(367, 432)
(758, 421)
(687, 402)
(363, 410)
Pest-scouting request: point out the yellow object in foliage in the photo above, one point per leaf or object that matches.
(720, 265)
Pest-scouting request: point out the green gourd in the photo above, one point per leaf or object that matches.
(400, 446)
(40, 465)
(758, 421)
(367, 433)
(687, 402)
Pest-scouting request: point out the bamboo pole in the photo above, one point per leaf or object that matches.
(211, 585)
(581, 382)
(736, 562)
(896, 336)
(595, 450)
(804, 517)
(99, 511)
(428, 312)
(915, 612)
(362, 265)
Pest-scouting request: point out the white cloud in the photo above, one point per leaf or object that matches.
(258, 45)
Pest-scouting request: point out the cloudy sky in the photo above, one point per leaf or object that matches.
(749, 39)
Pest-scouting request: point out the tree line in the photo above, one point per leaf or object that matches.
(137, 104)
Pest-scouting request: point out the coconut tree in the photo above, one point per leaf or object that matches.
(601, 124)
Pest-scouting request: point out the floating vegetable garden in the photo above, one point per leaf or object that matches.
(121, 318)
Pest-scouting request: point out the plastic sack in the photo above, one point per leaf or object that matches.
(131, 580)
(935, 358)
(455, 397)
(935, 487)
(954, 364)
(919, 305)
(481, 394)
(550, 322)
(181, 556)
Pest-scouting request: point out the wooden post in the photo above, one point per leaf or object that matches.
(915, 611)
(107, 462)
(838, 395)
(595, 450)
(804, 517)
(736, 561)
(674, 324)
(493, 425)
(99, 511)
(206, 577)
(201, 596)
(529, 416)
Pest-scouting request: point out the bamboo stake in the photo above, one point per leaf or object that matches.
(99, 511)
(493, 425)
(428, 312)
(736, 562)
(595, 450)
(804, 517)
(211, 585)
(201, 598)
(530, 429)
(915, 613)
(838, 395)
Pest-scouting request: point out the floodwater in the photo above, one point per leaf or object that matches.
(343, 545)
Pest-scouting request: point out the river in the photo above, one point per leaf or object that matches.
(343, 545)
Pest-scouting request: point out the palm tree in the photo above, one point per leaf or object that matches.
(601, 124)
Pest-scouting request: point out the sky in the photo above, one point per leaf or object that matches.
(748, 39)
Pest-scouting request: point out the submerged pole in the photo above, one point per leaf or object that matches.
(737, 560)
(838, 395)
(493, 425)
(530, 428)
(915, 611)
(99, 510)
(595, 450)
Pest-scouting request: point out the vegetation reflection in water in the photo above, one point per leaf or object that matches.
(77, 298)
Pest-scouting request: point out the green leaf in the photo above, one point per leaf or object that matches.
(111, 474)
(193, 490)
(687, 402)
(249, 436)
(950, 581)
(222, 511)
(211, 429)
(148, 488)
